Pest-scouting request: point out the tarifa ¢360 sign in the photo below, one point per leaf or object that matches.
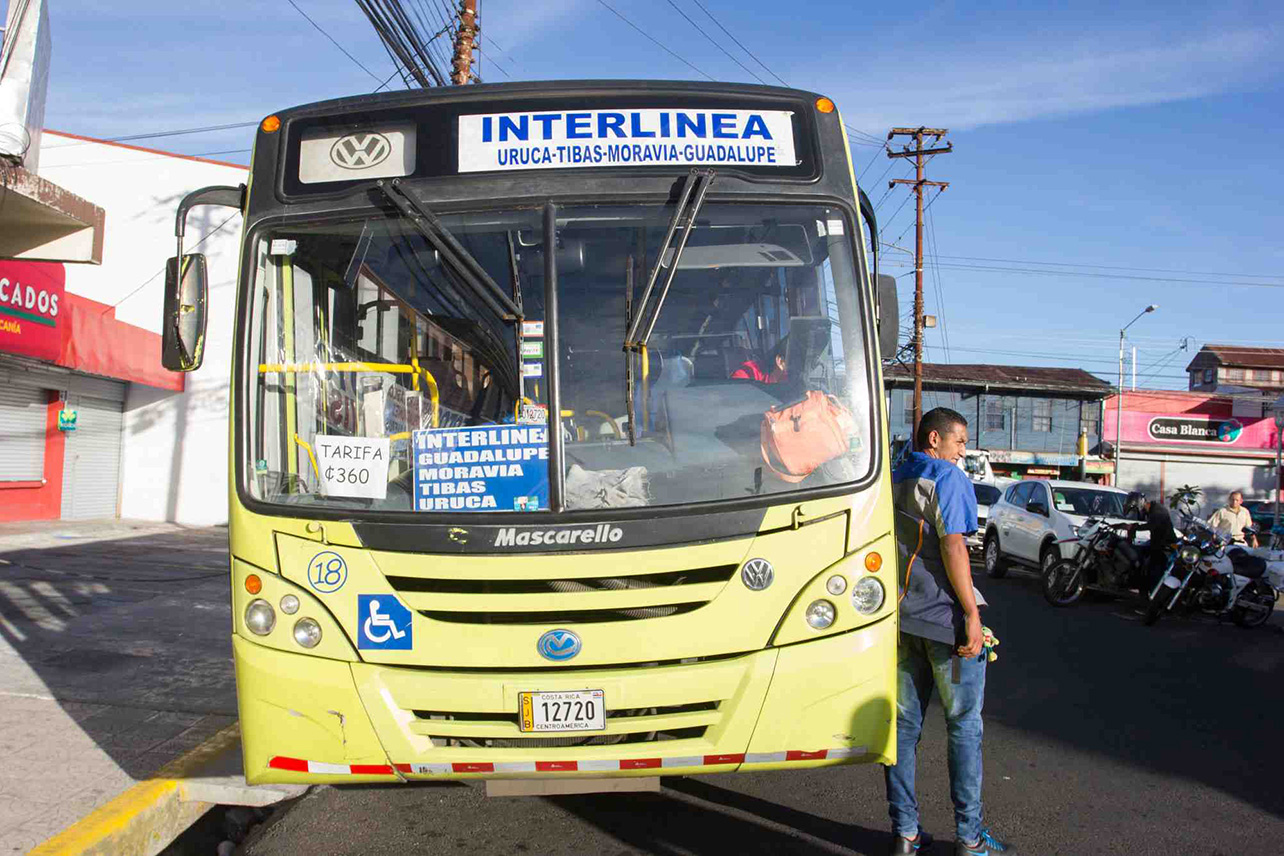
(31, 295)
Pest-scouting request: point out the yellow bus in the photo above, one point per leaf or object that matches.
(557, 436)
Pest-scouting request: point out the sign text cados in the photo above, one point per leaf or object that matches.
(26, 297)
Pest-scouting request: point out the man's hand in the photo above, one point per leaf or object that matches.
(974, 635)
(959, 570)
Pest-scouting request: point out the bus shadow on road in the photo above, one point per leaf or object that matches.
(118, 646)
(694, 816)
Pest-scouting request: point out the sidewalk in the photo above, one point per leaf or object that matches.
(115, 660)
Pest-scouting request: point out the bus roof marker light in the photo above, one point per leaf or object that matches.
(824, 105)
(270, 125)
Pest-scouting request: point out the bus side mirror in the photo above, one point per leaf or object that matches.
(889, 316)
(183, 327)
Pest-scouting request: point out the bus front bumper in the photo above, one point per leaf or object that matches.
(313, 720)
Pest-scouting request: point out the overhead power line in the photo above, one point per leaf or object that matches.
(1120, 267)
(332, 40)
(711, 40)
(1043, 272)
(654, 40)
(739, 44)
(407, 41)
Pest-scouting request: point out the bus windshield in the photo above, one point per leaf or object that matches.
(366, 348)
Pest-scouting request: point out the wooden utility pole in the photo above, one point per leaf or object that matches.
(919, 153)
(465, 39)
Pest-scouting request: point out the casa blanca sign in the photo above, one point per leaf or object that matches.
(1195, 429)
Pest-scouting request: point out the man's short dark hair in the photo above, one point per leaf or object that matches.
(941, 420)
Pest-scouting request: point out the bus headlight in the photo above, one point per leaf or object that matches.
(836, 585)
(289, 604)
(307, 633)
(867, 595)
(260, 618)
(820, 614)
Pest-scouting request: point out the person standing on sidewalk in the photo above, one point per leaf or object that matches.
(940, 633)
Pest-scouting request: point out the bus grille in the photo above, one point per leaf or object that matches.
(584, 600)
(506, 736)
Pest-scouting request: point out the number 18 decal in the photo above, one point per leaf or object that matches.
(327, 572)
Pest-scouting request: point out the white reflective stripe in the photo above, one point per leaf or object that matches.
(847, 752)
(603, 765)
(329, 769)
(692, 761)
(599, 766)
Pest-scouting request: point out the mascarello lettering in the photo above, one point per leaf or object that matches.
(602, 533)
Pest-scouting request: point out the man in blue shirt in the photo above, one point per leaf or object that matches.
(941, 639)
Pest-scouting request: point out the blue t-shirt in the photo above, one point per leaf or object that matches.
(933, 498)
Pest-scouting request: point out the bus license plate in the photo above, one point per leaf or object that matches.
(575, 710)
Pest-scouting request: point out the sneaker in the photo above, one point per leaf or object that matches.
(986, 846)
(902, 846)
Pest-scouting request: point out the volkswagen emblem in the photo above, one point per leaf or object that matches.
(757, 574)
(558, 645)
(360, 151)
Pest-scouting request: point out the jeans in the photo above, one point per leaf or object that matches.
(921, 665)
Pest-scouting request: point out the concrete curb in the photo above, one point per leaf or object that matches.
(143, 820)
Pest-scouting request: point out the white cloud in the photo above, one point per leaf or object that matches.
(988, 85)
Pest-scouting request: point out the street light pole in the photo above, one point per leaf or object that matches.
(1119, 395)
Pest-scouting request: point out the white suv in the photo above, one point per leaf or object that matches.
(1033, 515)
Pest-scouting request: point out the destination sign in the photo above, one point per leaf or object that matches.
(611, 138)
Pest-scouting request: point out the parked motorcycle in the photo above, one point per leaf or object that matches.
(1209, 575)
(1104, 559)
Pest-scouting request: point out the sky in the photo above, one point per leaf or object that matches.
(1106, 155)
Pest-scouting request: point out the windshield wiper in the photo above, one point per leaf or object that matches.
(697, 185)
(459, 260)
(688, 208)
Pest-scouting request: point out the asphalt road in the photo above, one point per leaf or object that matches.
(1102, 736)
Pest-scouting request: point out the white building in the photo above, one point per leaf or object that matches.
(147, 443)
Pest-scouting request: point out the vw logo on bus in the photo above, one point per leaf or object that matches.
(360, 151)
(757, 574)
(558, 645)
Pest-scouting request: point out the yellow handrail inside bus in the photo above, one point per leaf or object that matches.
(311, 457)
(619, 435)
(646, 370)
(390, 368)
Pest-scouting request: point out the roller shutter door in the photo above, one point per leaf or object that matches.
(91, 466)
(22, 433)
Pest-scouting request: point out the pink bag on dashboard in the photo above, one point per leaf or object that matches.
(800, 437)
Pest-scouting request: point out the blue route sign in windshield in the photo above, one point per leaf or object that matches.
(495, 468)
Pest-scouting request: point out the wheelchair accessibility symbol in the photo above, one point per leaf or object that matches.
(383, 623)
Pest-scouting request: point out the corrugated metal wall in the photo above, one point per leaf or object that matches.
(91, 466)
(22, 433)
